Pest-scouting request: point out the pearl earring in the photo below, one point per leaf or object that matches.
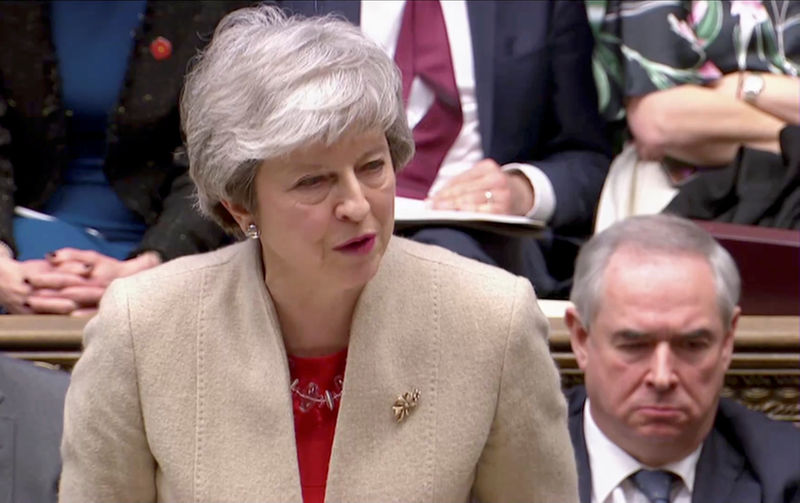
(252, 231)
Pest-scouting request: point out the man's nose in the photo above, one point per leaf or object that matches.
(661, 374)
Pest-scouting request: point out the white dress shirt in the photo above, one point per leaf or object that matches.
(611, 466)
(381, 21)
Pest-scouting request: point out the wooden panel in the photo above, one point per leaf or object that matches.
(764, 373)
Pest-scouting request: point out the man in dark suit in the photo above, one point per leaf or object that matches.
(31, 414)
(652, 328)
(531, 140)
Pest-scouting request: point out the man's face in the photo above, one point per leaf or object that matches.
(656, 353)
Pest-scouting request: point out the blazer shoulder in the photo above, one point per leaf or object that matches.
(180, 277)
(425, 256)
(190, 264)
(458, 277)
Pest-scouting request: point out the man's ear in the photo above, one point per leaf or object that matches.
(728, 341)
(578, 336)
(239, 213)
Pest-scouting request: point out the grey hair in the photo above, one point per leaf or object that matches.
(660, 233)
(269, 84)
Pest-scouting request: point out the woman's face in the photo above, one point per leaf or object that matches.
(326, 213)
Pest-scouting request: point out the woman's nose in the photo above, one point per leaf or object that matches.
(353, 204)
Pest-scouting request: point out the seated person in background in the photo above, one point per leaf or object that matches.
(31, 414)
(652, 328)
(503, 110)
(698, 80)
(323, 358)
(88, 136)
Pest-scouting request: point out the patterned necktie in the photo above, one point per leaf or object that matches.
(423, 51)
(655, 484)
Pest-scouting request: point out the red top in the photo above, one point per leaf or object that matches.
(314, 419)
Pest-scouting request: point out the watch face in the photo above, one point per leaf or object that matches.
(752, 86)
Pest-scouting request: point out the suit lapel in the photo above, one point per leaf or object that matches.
(719, 473)
(482, 25)
(576, 398)
(719, 476)
(389, 354)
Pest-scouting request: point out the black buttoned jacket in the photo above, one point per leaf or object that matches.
(143, 161)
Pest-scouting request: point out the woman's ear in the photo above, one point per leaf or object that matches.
(239, 213)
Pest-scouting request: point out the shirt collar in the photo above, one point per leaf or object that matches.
(611, 465)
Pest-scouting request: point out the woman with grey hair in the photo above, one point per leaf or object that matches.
(322, 358)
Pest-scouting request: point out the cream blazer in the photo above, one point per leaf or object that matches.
(182, 392)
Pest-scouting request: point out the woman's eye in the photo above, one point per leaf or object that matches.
(310, 182)
(374, 166)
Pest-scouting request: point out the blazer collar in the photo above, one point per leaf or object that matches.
(390, 353)
(238, 340)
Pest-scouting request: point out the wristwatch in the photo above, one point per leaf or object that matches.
(752, 86)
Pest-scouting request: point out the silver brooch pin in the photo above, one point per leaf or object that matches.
(405, 404)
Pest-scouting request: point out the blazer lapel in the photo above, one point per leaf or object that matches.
(248, 436)
(6, 452)
(374, 458)
(482, 25)
(718, 477)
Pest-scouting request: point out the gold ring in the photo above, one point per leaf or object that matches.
(488, 195)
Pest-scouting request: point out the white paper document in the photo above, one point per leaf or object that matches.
(413, 213)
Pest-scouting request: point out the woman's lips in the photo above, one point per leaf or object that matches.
(358, 246)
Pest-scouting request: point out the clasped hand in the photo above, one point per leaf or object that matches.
(68, 281)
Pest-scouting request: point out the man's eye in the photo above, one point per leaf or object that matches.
(695, 345)
(633, 345)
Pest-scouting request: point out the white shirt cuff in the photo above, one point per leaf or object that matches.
(544, 197)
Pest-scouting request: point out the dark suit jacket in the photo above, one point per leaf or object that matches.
(747, 458)
(143, 133)
(537, 101)
(31, 412)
